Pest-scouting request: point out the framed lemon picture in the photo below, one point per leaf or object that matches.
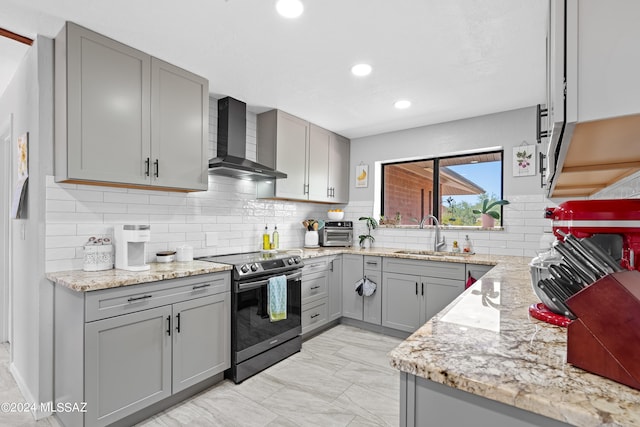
(362, 175)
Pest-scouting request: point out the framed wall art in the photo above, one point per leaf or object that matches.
(362, 175)
(524, 160)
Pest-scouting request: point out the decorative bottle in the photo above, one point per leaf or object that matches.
(467, 245)
(266, 239)
(275, 241)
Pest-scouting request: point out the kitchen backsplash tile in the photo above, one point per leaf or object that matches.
(228, 218)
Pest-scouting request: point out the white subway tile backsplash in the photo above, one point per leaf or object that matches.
(132, 198)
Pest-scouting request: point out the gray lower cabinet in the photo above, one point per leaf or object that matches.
(127, 364)
(352, 272)
(123, 349)
(200, 350)
(360, 307)
(125, 118)
(427, 403)
(321, 291)
(415, 291)
(335, 288)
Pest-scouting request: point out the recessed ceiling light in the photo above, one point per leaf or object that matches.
(402, 104)
(361, 70)
(290, 8)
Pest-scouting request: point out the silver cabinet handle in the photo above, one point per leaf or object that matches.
(196, 287)
(133, 299)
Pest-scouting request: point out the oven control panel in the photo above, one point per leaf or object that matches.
(268, 266)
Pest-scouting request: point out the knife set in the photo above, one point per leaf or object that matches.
(605, 338)
(572, 265)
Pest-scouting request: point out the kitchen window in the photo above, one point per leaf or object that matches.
(448, 187)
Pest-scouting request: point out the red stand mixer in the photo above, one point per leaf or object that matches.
(613, 224)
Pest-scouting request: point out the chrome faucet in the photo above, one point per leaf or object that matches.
(438, 243)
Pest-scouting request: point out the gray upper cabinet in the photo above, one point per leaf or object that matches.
(339, 154)
(179, 127)
(315, 160)
(124, 118)
(319, 143)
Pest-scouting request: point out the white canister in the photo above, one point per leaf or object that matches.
(311, 239)
(184, 253)
(98, 258)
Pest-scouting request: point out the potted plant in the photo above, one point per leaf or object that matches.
(371, 224)
(489, 216)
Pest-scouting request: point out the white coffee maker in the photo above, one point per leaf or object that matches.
(131, 244)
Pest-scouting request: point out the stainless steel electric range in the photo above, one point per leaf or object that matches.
(256, 341)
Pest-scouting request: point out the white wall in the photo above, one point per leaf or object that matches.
(29, 97)
(523, 221)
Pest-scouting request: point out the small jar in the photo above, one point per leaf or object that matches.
(166, 256)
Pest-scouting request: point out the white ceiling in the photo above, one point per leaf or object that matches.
(452, 58)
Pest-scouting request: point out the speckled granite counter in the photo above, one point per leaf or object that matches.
(84, 281)
(485, 343)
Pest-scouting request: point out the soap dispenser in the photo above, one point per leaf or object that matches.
(467, 245)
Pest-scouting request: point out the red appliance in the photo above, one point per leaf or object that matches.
(591, 218)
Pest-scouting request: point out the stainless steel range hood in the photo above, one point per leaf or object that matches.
(232, 145)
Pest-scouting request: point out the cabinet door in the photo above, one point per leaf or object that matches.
(319, 141)
(373, 304)
(108, 112)
(335, 288)
(352, 271)
(401, 300)
(339, 168)
(292, 156)
(201, 339)
(179, 127)
(438, 294)
(127, 364)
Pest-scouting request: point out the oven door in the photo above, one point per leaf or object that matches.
(252, 330)
(337, 237)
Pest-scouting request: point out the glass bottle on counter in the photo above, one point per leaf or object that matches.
(467, 245)
(266, 239)
(275, 240)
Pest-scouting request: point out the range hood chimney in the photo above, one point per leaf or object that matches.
(232, 145)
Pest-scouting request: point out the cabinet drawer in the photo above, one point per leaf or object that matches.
(314, 287)
(447, 270)
(315, 265)
(314, 315)
(373, 263)
(114, 302)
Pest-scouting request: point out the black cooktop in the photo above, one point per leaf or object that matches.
(251, 264)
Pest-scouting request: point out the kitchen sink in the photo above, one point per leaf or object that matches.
(431, 253)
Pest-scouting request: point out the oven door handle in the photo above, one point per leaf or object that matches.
(259, 283)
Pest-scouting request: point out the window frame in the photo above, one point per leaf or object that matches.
(436, 197)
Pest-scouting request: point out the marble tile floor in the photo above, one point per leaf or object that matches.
(341, 377)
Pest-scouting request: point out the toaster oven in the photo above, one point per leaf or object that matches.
(336, 233)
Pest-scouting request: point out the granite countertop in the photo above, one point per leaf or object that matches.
(486, 343)
(84, 281)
